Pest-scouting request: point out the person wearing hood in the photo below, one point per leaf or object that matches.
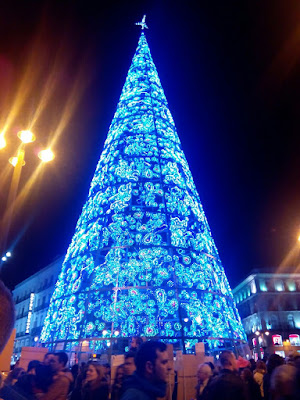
(149, 381)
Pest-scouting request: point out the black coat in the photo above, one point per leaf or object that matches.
(228, 385)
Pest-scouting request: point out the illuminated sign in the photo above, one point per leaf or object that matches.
(294, 340)
(29, 312)
(277, 340)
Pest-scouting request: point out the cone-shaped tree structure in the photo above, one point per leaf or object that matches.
(142, 260)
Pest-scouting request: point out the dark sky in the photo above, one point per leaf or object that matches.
(230, 71)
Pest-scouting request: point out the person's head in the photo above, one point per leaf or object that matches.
(62, 358)
(107, 369)
(32, 366)
(152, 361)
(119, 374)
(228, 360)
(57, 361)
(247, 375)
(274, 361)
(129, 365)
(135, 343)
(94, 374)
(7, 315)
(204, 372)
(210, 364)
(261, 365)
(283, 382)
(47, 358)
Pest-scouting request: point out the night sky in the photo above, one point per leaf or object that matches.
(230, 72)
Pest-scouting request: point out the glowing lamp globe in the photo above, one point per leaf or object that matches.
(26, 136)
(46, 155)
(14, 161)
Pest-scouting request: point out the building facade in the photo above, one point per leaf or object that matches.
(269, 305)
(32, 298)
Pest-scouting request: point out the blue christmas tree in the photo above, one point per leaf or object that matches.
(142, 260)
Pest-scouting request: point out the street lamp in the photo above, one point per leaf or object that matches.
(46, 155)
(26, 137)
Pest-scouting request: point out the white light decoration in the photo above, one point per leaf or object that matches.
(31, 299)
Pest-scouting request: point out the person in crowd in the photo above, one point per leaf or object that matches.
(29, 386)
(149, 381)
(213, 368)
(204, 375)
(258, 375)
(107, 373)
(135, 343)
(129, 365)
(252, 387)
(283, 383)
(47, 358)
(94, 386)
(7, 315)
(274, 361)
(59, 389)
(32, 366)
(228, 385)
(252, 364)
(118, 382)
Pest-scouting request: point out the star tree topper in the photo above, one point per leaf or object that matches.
(143, 23)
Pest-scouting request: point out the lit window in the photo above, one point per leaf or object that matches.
(279, 286)
(263, 286)
(253, 287)
(291, 285)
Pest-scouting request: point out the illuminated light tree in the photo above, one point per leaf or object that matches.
(142, 260)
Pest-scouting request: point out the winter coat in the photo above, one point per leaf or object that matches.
(137, 387)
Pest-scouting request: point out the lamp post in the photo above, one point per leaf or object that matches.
(18, 162)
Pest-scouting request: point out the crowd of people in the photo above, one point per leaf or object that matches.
(145, 373)
(239, 379)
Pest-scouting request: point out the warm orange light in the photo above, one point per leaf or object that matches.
(26, 136)
(299, 238)
(46, 155)
(2, 141)
(14, 161)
